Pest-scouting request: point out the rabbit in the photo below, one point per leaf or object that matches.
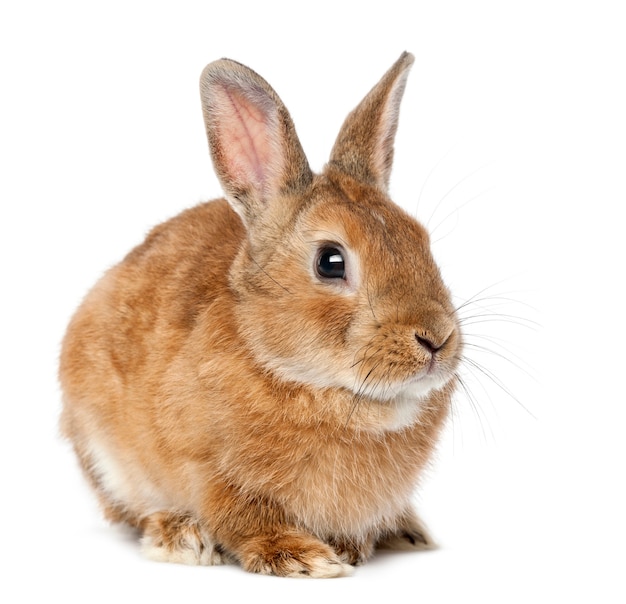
(264, 379)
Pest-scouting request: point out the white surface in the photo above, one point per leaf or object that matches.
(512, 130)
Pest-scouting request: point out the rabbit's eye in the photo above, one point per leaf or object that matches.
(330, 264)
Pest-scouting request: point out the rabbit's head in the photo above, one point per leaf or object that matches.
(336, 285)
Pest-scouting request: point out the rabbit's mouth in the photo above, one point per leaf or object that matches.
(433, 368)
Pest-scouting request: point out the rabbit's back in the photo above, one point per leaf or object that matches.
(143, 308)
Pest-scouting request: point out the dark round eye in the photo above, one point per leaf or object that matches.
(330, 263)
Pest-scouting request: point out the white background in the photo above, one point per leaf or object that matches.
(512, 138)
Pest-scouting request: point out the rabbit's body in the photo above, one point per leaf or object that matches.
(266, 383)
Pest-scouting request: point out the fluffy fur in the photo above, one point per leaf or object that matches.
(232, 403)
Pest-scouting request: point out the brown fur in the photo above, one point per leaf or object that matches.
(230, 404)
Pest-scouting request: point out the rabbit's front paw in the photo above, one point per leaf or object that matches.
(293, 555)
(175, 537)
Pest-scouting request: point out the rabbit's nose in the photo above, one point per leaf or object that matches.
(433, 341)
(427, 344)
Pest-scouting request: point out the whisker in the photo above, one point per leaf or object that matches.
(369, 300)
(450, 191)
(432, 171)
(501, 343)
(363, 382)
(268, 275)
(499, 317)
(480, 348)
(481, 292)
(500, 300)
(474, 405)
(456, 211)
(360, 393)
(366, 349)
(495, 380)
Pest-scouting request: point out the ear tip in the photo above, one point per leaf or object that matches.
(216, 69)
(227, 70)
(406, 59)
(227, 74)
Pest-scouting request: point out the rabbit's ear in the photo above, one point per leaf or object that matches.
(253, 143)
(364, 147)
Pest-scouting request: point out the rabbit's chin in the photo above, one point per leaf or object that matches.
(407, 401)
(413, 390)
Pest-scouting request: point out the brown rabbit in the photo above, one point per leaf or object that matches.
(264, 378)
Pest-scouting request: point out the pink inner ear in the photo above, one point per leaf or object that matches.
(245, 133)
